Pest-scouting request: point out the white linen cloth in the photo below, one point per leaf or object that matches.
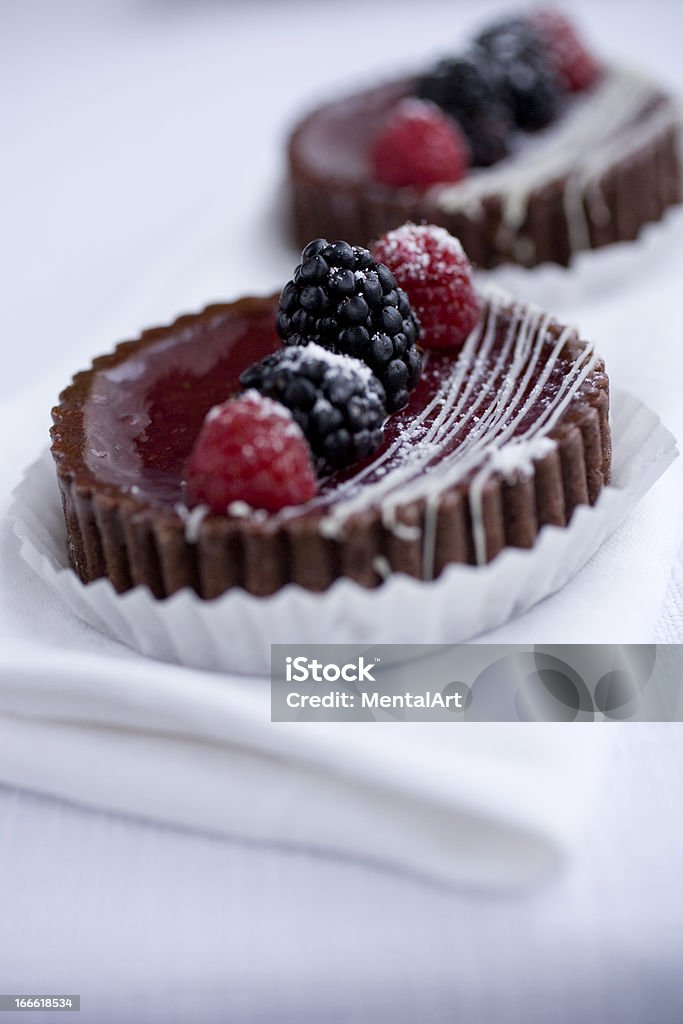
(199, 750)
(670, 626)
(155, 925)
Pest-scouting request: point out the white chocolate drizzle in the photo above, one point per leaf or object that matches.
(193, 519)
(490, 416)
(622, 114)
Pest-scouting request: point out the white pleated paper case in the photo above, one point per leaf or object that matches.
(234, 632)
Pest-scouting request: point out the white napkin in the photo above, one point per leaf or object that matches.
(487, 805)
(83, 718)
(670, 627)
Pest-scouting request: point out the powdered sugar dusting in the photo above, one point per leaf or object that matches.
(266, 407)
(213, 413)
(423, 250)
(263, 408)
(347, 365)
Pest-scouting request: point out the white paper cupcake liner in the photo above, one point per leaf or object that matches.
(234, 632)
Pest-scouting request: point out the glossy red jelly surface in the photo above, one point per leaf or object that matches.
(140, 416)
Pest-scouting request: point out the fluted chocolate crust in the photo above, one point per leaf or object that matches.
(598, 197)
(114, 533)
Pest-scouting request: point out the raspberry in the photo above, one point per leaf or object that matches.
(575, 66)
(343, 301)
(432, 267)
(470, 90)
(250, 450)
(336, 400)
(419, 145)
(527, 71)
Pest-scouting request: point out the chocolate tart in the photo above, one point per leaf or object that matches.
(608, 165)
(496, 442)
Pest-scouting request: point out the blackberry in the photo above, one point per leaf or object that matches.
(529, 78)
(472, 90)
(343, 301)
(337, 401)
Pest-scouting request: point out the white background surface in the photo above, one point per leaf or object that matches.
(125, 122)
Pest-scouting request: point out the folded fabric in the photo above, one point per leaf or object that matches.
(489, 805)
(670, 626)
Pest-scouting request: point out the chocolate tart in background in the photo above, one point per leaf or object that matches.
(590, 167)
(496, 440)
